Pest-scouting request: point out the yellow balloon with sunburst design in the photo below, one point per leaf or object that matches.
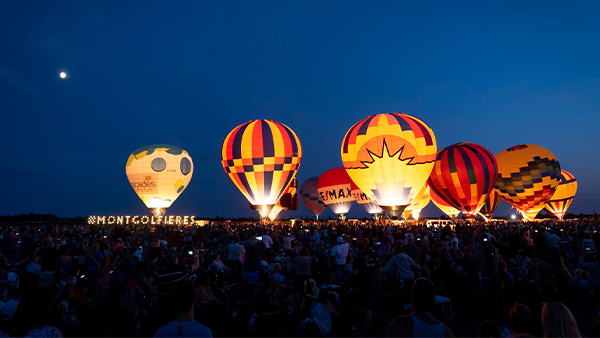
(390, 156)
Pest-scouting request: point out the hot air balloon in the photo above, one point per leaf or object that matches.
(528, 176)
(463, 176)
(274, 212)
(490, 205)
(418, 204)
(159, 173)
(335, 190)
(562, 198)
(389, 157)
(288, 201)
(261, 157)
(310, 196)
(362, 199)
(446, 208)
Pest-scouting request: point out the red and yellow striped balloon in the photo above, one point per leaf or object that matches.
(389, 157)
(562, 198)
(464, 174)
(446, 208)
(261, 157)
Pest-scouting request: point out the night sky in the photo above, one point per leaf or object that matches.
(188, 72)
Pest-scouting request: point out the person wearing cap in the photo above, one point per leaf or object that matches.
(339, 253)
(420, 323)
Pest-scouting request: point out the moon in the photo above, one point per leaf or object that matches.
(63, 75)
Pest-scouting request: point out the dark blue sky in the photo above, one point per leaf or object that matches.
(186, 73)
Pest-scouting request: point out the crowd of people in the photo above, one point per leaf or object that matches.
(305, 278)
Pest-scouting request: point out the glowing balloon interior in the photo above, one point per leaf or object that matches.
(159, 173)
(389, 157)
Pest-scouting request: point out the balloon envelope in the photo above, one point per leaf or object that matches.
(159, 173)
(490, 205)
(528, 176)
(463, 176)
(261, 157)
(562, 198)
(418, 204)
(335, 189)
(310, 196)
(446, 208)
(289, 199)
(274, 212)
(368, 204)
(389, 157)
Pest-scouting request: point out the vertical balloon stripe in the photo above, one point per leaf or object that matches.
(362, 129)
(293, 140)
(236, 146)
(404, 125)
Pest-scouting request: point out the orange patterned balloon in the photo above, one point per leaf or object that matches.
(528, 176)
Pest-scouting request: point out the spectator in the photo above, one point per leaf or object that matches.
(593, 269)
(267, 240)
(521, 321)
(411, 249)
(303, 263)
(489, 329)
(32, 316)
(48, 255)
(404, 263)
(323, 311)
(34, 268)
(216, 264)
(339, 253)
(365, 279)
(204, 292)
(184, 324)
(420, 323)
(323, 263)
(236, 253)
(171, 274)
(343, 275)
(557, 321)
(252, 265)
